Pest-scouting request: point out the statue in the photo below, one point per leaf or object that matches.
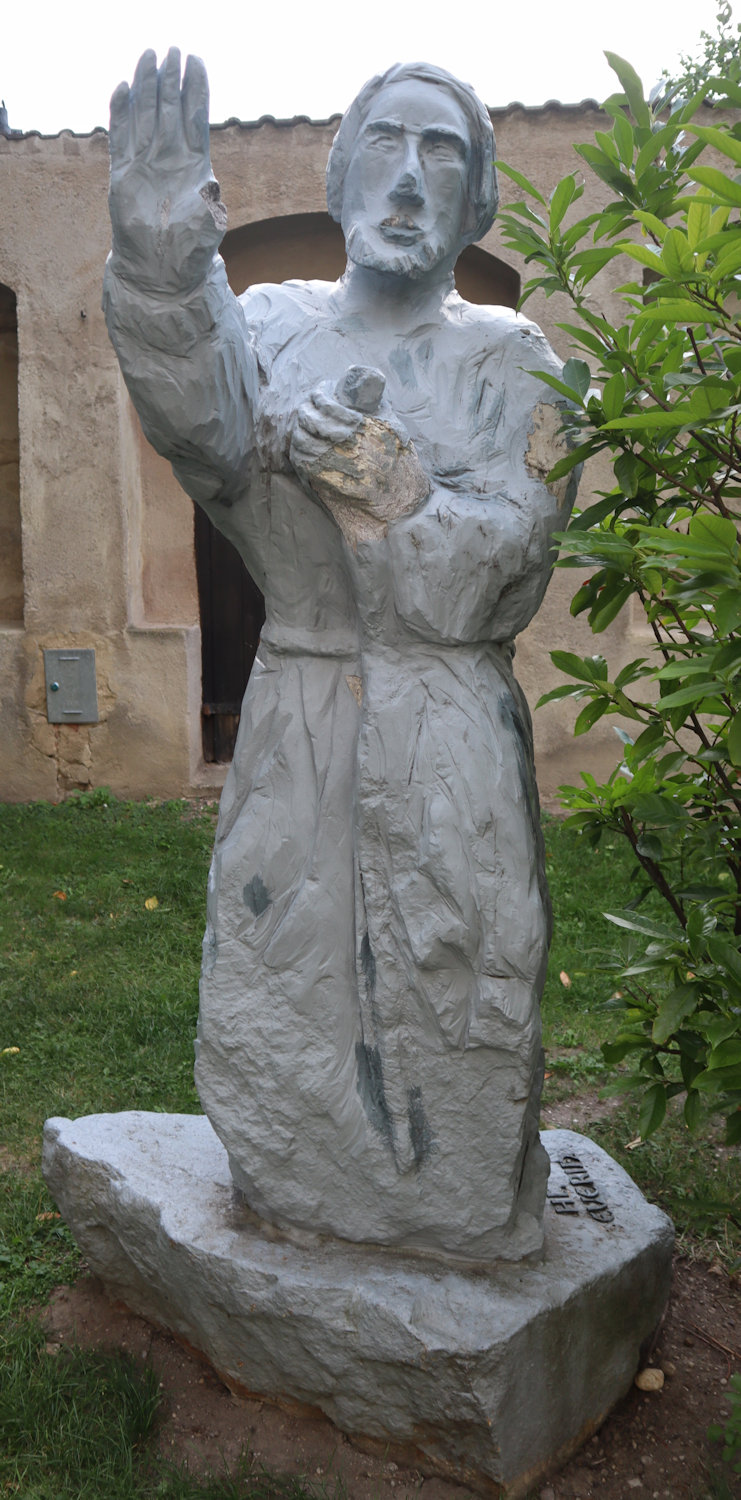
(369, 1056)
(369, 1040)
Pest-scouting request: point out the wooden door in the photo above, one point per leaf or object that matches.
(232, 616)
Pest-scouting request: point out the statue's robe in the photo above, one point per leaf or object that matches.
(378, 920)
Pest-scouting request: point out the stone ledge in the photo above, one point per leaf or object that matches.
(490, 1378)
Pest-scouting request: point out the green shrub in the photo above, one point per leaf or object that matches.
(663, 539)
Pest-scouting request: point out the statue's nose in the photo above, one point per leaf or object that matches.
(408, 187)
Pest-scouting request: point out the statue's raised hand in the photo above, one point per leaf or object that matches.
(166, 211)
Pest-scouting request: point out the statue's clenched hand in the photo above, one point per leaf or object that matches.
(166, 210)
(349, 449)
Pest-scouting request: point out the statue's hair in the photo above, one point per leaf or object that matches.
(483, 191)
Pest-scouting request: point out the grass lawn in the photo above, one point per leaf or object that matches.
(100, 930)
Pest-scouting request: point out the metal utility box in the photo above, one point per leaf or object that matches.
(71, 690)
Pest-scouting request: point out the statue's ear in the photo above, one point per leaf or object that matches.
(480, 217)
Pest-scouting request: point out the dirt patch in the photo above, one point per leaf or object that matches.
(653, 1445)
(578, 1111)
(11, 1162)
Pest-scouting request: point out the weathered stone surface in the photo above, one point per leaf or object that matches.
(377, 451)
(491, 1376)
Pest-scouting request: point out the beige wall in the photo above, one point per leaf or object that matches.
(107, 536)
(11, 562)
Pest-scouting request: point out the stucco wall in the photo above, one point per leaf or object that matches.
(107, 536)
(11, 567)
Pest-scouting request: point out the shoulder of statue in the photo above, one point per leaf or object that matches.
(265, 301)
(504, 342)
(277, 314)
(499, 330)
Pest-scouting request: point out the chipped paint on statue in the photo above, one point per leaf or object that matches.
(369, 1035)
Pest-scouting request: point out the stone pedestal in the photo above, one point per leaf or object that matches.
(489, 1376)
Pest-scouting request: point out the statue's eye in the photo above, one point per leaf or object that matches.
(384, 139)
(442, 149)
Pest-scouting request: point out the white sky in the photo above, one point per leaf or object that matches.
(60, 62)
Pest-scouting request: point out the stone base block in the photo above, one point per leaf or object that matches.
(490, 1377)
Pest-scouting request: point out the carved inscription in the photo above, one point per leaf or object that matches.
(578, 1185)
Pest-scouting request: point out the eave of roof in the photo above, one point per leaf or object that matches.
(497, 111)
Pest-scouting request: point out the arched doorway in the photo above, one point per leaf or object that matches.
(309, 247)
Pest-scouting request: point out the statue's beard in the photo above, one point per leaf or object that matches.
(411, 261)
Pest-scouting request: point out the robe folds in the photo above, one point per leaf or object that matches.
(378, 920)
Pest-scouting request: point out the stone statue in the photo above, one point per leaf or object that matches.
(369, 1041)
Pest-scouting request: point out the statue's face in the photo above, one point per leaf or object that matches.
(406, 189)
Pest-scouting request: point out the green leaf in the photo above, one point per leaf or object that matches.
(521, 180)
(685, 667)
(566, 690)
(728, 611)
(727, 263)
(602, 617)
(733, 1128)
(649, 846)
(695, 693)
(563, 389)
(590, 714)
(585, 668)
(674, 1010)
(727, 1055)
(623, 133)
(698, 222)
(652, 580)
(595, 513)
(719, 1028)
(720, 240)
(614, 1052)
(677, 256)
(577, 375)
(728, 657)
(628, 474)
(656, 142)
(722, 187)
(678, 310)
(601, 164)
(632, 87)
(636, 922)
(692, 1110)
(613, 396)
(726, 955)
(589, 340)
(734, 740)
(642, 253)
(650, 222)
(719, 530)
(631, 672)
(652, 1111)
(722, 140)
(569, 462)
(720, 1079)
(651, 420)
(561, 199)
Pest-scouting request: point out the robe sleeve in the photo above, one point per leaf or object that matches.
(191, 371)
